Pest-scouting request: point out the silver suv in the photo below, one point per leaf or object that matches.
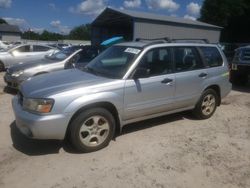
(126, 83)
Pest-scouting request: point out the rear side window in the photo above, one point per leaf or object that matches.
(37, 48)
(212, 56)
(187, 59)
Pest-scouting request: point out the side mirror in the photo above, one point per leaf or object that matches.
(141, 73)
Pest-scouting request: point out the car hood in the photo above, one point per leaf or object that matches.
(30, 64)
(42, 86)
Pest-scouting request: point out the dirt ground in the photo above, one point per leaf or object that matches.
(174, 151)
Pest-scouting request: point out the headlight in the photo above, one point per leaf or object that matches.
(18, 73)
(38, 105)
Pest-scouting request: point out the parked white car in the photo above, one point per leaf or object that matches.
(23, 53)
(3, 45)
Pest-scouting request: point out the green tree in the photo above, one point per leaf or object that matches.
(81, 32)
(233, 16)
(30, 35)
(2, 21)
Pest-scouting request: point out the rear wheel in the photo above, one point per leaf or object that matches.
(207, 104)
(92, 130)
(2, 68)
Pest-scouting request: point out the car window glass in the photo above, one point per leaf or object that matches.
(245, 54)
(87, 55)
(187, 59)
(25, 48)
(37, 48)
(114, 61)
(157, 61)
(212, 56)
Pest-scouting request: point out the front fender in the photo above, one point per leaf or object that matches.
(81, 102)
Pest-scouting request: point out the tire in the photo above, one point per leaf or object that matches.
(206, 105)
(2, 68)
(92, 130)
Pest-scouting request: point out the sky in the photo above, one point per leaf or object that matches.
(62, 15)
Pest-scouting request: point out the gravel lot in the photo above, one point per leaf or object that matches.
(174, 151)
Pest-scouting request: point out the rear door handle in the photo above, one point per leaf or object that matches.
(167, 81)
(203, 75)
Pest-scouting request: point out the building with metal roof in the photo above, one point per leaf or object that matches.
(133, 24)
(10, 33)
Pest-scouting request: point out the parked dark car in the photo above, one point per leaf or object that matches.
(240, 67)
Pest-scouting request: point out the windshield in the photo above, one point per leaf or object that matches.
(113, 62)
(60, 55)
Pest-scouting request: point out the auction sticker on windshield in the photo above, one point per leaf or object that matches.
(132, 50)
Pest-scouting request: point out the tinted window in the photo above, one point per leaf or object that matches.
(245, 54)
(212, 56)
(87, 55)
(157, 61)
(23, 49)
(37, 48)
(187, 59)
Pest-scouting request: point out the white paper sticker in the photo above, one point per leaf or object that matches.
(132, 50)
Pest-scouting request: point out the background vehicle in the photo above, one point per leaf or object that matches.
(66, 59)
(3, 45)
(23, 53)
(126, 83)
(240, 67)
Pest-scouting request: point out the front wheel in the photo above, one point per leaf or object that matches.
(92, 130)
(207, 104)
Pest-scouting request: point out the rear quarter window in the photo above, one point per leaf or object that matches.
(212, 56)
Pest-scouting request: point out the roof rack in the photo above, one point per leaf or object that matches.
(153, 41)
(164, 39)
(168, 40)
(191, 40)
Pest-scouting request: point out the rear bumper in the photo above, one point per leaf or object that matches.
(40, 126)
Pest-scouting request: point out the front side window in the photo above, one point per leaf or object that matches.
(157, 61)
(212, 56)
(187, 59)
(113, 62)
(25, 48)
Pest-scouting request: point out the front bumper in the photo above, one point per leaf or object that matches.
(40, 126)
(12, 82)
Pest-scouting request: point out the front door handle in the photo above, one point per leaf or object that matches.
(167, 81)
(203, 75)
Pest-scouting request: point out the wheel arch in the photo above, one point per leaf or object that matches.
(106, 105)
